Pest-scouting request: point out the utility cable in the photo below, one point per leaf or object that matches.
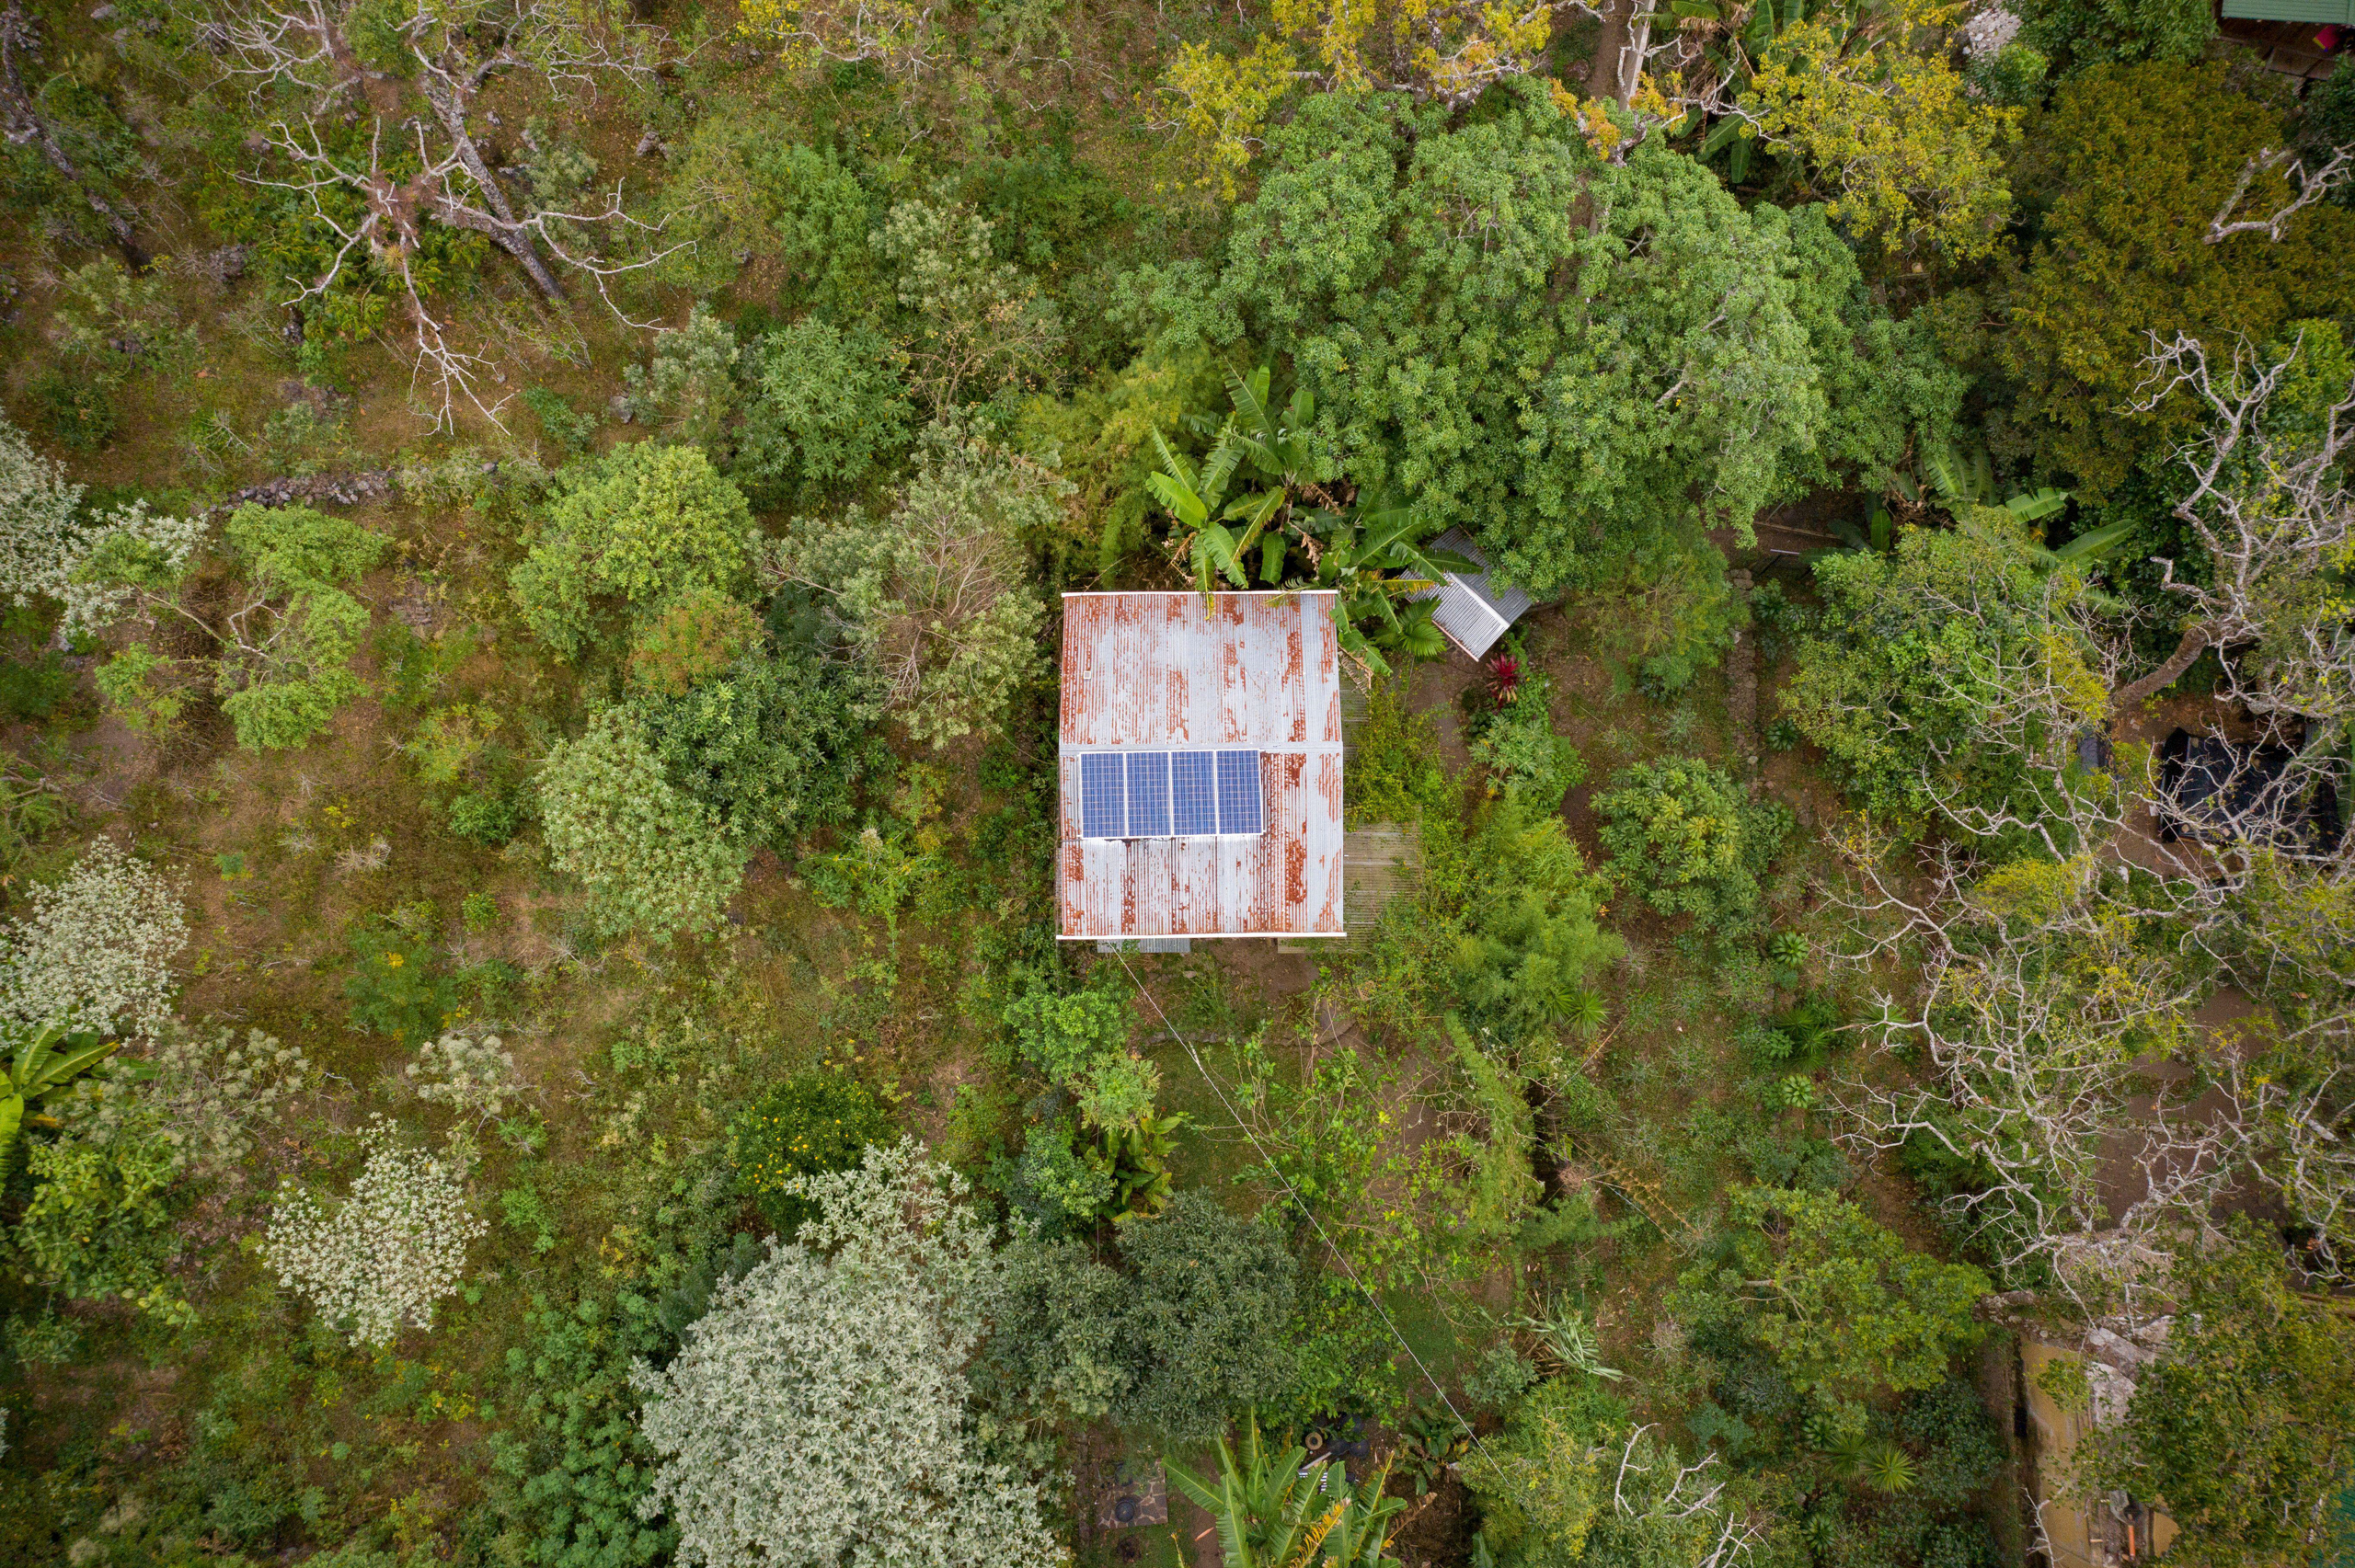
(1301, 1204)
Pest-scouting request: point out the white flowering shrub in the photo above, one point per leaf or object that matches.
(1986, 35)
(203, 1091)
(129, 556)
(471, 1077)
(95, 952)
(817, 1414)
(381, 1259)
(37, 505)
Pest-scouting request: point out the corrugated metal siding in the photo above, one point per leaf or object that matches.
(1473, 611)
(2316, 11)
(1156, 671)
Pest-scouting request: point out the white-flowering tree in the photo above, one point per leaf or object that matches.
(95, 952)
(129, 559)
(206, 1093)
(37, 504)
(819, 1414)
(379, 1260)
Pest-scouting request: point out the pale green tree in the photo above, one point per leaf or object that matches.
(818, 1415)
(652, 858)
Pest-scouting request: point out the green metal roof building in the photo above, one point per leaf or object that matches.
(2317, 12)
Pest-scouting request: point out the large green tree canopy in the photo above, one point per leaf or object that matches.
(2132, 164)
(1581, 362)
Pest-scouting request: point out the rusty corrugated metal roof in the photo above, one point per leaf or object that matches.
(1156, 672)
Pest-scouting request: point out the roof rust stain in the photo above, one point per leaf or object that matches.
(1158, 670)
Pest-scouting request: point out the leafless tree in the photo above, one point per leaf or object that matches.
(453, 54)
(2313, 186)
(2270, 503)
(2050, 999)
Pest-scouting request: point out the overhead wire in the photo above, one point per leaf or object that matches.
(1299, 1205)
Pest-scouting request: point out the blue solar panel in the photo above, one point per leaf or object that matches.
(1195, 792)
(1238, 792)
(1101, 816)
(1148, 794)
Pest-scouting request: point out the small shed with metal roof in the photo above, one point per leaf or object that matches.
(1201, 766)
(1473, 611)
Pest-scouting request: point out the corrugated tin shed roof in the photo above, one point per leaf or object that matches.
(1153, 671)
(1473, 612)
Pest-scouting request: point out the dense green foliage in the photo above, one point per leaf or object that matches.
(1683, 838)
(1917, 650)
(624, 534)
(1403, 266)
(805, 1127)
(2243, 1426)
(1841, 1305)
(534, 537)
(650, 855)
(2131, 165)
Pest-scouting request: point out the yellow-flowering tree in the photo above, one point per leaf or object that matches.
(1915, 163)
(895, 34)
(1447, 52)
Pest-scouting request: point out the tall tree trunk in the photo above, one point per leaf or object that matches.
(507, 235)
(2134, 694)
(25, 124)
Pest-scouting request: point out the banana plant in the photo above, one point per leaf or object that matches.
(1274, 451)
(1360, 1535)
(1276, 1511)
(47, 1062)
(1374, 557)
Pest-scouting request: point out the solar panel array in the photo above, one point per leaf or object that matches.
(1160, 794)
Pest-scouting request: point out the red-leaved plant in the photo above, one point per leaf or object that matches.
(1504, 680)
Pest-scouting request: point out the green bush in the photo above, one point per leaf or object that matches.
(77, 410)
(1529, 937)
(559, 421)
(776, 746)
(816, 1122)
(1054, 1354)
(399, 987)
(1080, 1043)
(651, 857)
(1905, 674)
(99, 1226)
(489, 819)
(691, 638)
(1518, 746)
(625, 534)
(1540, 1481)
(827, 408)
(937, 594)
(1202, 1335)
(1842, 1306)
(1683, 837)
(31, 689)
